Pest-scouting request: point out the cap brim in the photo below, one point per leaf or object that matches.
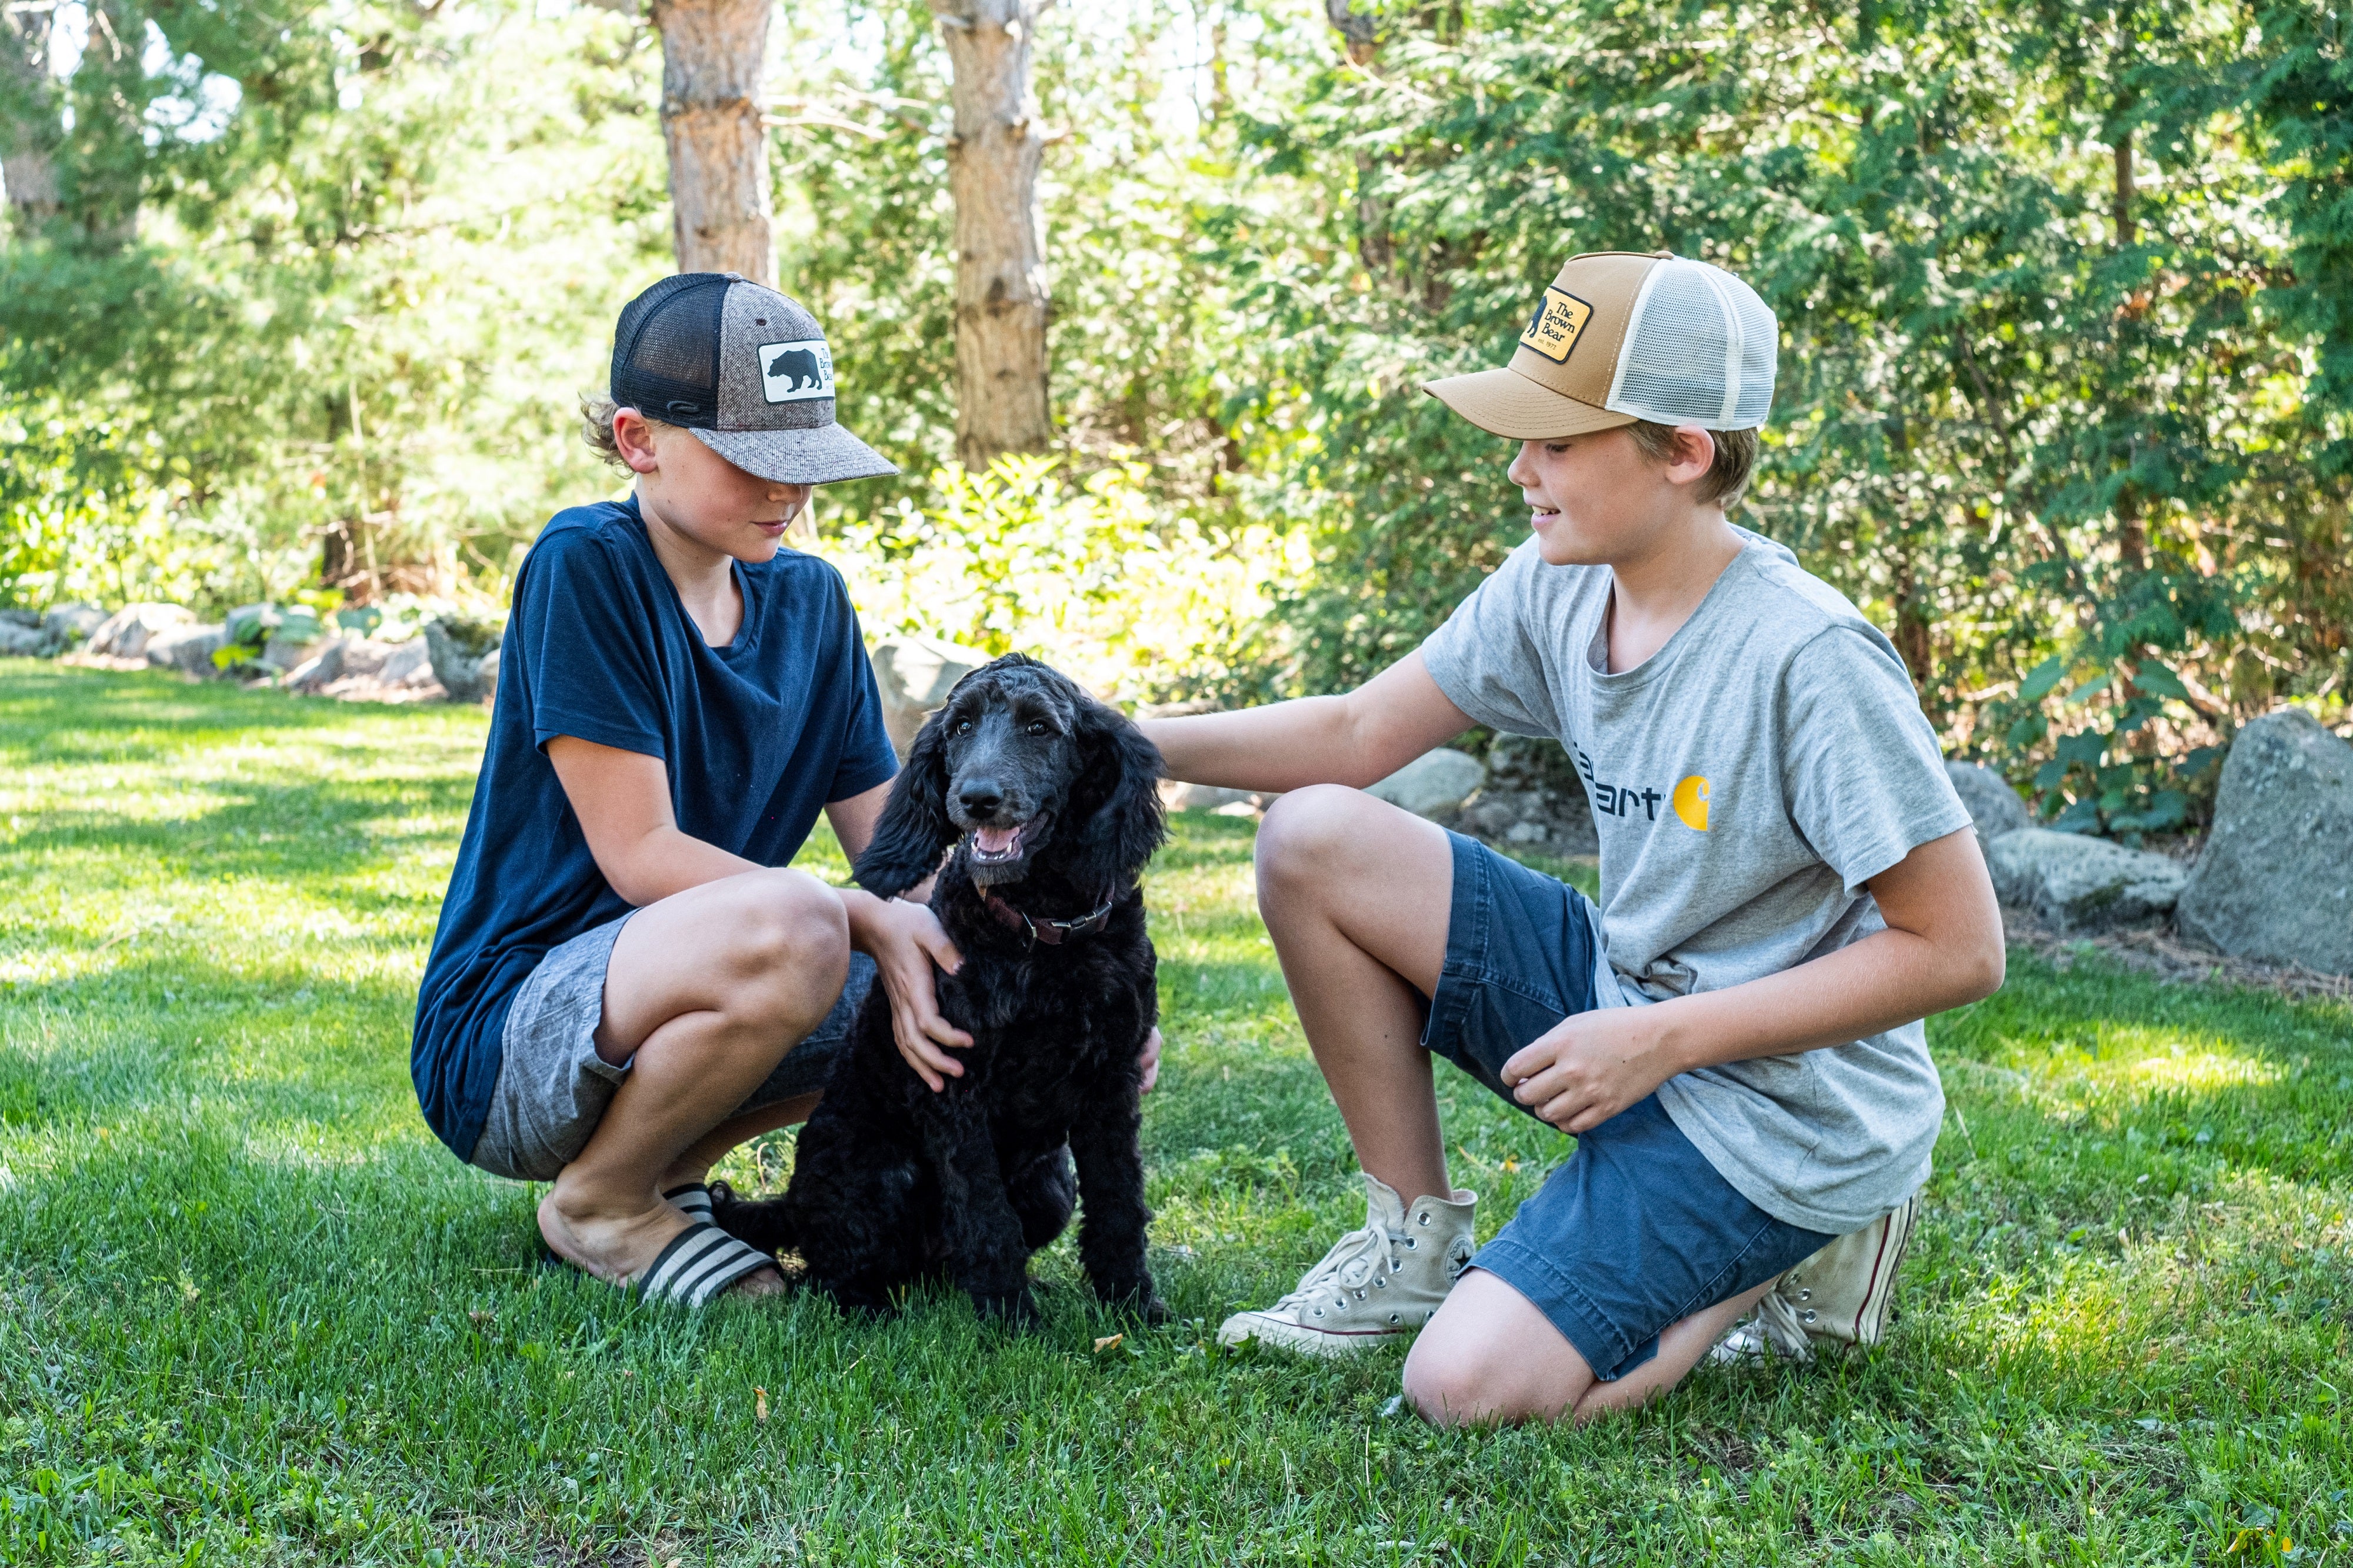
(1505, 402)
(822, 455)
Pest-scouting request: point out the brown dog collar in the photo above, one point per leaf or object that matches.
(1053, 933)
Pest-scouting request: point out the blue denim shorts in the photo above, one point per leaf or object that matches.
(1636, 1231)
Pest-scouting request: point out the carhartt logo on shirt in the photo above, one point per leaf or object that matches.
(1690, 803)
(1689, 800)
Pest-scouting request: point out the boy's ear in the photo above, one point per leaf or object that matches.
(1118, 797)
(913, 832)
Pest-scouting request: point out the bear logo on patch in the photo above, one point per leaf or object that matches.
(790, 372)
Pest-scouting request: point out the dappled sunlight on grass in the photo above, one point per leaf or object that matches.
(2186, 1072)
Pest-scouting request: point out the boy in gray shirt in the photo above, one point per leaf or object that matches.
(1789, 886)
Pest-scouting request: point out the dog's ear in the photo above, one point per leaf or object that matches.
(1117, 797)
(913, 832)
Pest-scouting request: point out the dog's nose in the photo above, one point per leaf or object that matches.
(981, 797)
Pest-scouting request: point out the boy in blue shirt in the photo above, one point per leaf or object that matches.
(627, 982)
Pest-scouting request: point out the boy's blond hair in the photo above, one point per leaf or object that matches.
(597, 411)
(1726, 479)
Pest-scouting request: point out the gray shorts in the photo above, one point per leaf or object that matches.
(553, 1087)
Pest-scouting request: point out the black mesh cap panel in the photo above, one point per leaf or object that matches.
(666, 350)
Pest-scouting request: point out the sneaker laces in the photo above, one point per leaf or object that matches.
(1351, 1265)
(1778, 1323)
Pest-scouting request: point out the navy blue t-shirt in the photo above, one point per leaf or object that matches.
(759, 736)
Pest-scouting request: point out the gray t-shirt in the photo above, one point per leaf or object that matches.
(1746, 780)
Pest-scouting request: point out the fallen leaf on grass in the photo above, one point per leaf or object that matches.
(1108, 1341)
(759, 1402)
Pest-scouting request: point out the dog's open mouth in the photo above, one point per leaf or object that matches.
(995, 846)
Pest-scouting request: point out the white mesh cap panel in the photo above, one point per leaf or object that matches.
(1700, 349)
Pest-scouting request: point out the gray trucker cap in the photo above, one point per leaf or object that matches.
(746, 370)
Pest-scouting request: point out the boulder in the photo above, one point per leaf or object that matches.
(2274, 882)
(188, 649)
(292, 642)
(1434, 783)
(27, 620)
(68, 627)
(19, 641)
(1178, 796)
(458, 648)
(321, 668)
(126, 633)
(2076, 884)
(915, 675)
(1992, 804)
(407, 663)
(1533, 799)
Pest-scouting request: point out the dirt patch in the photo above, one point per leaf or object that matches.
(2165, 953)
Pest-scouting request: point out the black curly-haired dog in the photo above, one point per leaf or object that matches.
(1051, 800)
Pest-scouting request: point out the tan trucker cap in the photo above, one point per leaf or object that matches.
(1621, 336)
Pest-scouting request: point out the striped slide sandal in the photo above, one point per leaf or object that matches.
(693, 1199)
(700, 1262)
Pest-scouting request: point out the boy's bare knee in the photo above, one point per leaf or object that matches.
(790, 941)
(1450, 1385)
(1303, 831)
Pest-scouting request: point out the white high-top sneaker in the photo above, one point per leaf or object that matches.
(1839, 1296)
(1376, 1284)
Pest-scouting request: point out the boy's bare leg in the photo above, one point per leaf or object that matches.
(1489, 1356)
(705, 991)
(1355, 894)
(706, 1151)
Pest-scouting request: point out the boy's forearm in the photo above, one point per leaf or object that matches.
(1282, 746)
(1886, 980)
(1355, 740)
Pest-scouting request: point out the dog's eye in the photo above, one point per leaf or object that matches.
(1040, 727)
(962, 727)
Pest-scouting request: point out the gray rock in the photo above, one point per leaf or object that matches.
(68, 627)
(19, 641)
(914, 674)
(126, 633)
(2076, 884)
(1992, 804)
(407, 663)
(188, 649)
(1533, 800)
(1178, 796)
(284, 653)
(455, 650)
(321, 668)
(24, 620)
(1434, 783)
(2274, 882)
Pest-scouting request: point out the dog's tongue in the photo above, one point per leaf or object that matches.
(994, 840)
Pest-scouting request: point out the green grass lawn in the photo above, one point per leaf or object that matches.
(251, 1311)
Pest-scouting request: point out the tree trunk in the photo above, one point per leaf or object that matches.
(1359, 28)
(713, 54)
(2121, 203)
(28, 125)
(1000, 241)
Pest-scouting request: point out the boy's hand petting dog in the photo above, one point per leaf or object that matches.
(905, 940)
(1587, 1068)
